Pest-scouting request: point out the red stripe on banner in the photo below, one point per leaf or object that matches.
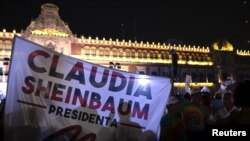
(32, 104)
(132, 125)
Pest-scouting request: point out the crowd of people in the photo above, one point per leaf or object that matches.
(191, 116)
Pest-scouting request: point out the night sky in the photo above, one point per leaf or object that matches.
(194, 22)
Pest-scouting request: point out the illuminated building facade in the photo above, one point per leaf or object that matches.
(206, 65)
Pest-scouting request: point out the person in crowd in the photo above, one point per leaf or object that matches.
(187, 97)
(227, 108)
(206, 100)
(240, 97)
(216, 103)
(172, 126)
(195, 115)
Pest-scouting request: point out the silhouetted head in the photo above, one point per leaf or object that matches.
(173, 104)
(196, 96)
(241, 93)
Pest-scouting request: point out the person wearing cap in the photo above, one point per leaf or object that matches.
(172, 127)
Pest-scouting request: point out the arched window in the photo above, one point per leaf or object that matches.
(184, 57)
(167, 55)
(207, 58)
(101, 51)
(170, 56)
(163, 55)
(203, 58)
(179, 57)
(86, 50)
(140, 54)
(120, 52)
(156, 54)
(187, 56)
(190, 57)
(114, 52)
(133, 53)
(145, 54)
(127, 52)
(107, 52)
(198, 58)
(93, 51)
(151, 53)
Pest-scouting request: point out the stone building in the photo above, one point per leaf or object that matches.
(208, 66)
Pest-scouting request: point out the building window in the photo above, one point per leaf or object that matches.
(140, 54)
(163, 55)
(120, 53)
(145, 54)
(180, 57)
(93, 51)
(106, 52)
(127, 53)
(151, 53)
(86, 51)
(156, 54)
(114, 52)
(184, 57)
(101, 51)
(133, 53)
(195, 58)
(169, 56)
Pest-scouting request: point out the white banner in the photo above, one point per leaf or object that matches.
(51, 96)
